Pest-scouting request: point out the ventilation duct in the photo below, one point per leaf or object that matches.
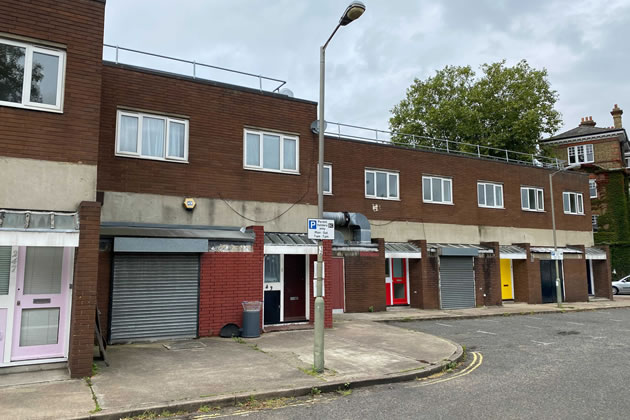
(358, 223)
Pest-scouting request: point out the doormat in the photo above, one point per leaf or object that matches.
(185, 345)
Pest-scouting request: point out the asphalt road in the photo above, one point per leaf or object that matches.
(545, 366)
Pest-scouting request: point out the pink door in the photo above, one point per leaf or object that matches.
(41, 298)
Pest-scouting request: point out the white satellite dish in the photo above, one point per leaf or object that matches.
(286, 91)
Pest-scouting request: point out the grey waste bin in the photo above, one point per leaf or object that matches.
(251, 319)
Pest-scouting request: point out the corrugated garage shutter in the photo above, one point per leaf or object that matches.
(154, 297)
(457, 282)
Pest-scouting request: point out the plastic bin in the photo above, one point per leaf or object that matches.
(251, 319)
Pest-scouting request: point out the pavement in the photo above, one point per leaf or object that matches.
(186, 375)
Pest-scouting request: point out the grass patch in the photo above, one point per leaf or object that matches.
(97, 406)
(272, 403)
(239, 340)
(95, 369)
(315, 391)
(255, 347)
(150, 415)
(312, 372)
(344, 390)
(406, 319)
(208, 409)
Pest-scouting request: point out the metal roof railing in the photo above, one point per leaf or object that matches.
(191, 68)
(355, 132)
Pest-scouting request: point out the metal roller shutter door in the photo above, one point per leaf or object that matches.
(154, 297)
(457, 282)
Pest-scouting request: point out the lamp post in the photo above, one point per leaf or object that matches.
(553, 227)
(352, 13)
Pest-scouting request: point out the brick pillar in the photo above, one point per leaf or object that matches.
(429, 293)
(489, 268)
(365, 279)
(84, 288)
(602, 276)
(328, 318)
(575, 280)
(415, 278)
(527, 278)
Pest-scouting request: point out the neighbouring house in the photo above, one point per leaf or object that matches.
(162, 201)
(604, 154)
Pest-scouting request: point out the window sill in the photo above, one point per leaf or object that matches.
(328, 193)
(490, 207)
(533, 211)
(381, 198)
(273, 171)
(151, 158)
(31, 107)
(574, 214)
(438, 202)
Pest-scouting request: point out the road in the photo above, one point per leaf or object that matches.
(548, 366)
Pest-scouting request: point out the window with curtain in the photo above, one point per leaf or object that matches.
(273, 152)
(151, 136)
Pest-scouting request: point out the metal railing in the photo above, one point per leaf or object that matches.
(355, 132)
(193, 70)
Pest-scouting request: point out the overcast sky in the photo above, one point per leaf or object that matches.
(371, 62)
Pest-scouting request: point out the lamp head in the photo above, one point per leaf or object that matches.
(353, 12)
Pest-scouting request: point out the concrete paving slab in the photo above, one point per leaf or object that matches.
(50, 400)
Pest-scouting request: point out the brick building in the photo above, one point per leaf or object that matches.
(166, 200)
(604, 154)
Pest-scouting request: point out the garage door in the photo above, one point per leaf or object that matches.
(457, 282)
(154, 297)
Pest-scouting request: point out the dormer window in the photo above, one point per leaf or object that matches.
(581, 154)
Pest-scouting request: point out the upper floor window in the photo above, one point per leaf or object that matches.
(490, 195)
(532, 199)
(381, 184)
(595, 222)
(592, 188)
(31, 76)
(573, 203)
(271, 151)
(581, 154)
(151, 136)
(327, 179)
(437, 190)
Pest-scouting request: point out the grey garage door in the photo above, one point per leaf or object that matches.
(154, 297)
(457, 282)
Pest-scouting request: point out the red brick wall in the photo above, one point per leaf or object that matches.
(328, 289)
(84, 291)
(607, 152)
(488, 277)
(575, 285)
(527, 278)
(217, 117)
(424, 279)
(348, 187)
(602, 276)
(105, 256)
(365, 280)
(73, 135)
(226, 280)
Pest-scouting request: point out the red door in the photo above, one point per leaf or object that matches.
(399, 281)
(337, 285)
(294, 288)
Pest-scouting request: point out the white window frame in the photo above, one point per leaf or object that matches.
(592, 186)
(28, 69)
(328, 191)
(579, 203)
(167, 122)
(387, 174)
(497, 188)
(580, 154)
(539, 199)
(444, 180)
(283, 137)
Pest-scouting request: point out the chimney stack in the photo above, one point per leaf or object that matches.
(616, 114)
(587, 121)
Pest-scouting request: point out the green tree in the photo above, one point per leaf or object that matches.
(506, 108)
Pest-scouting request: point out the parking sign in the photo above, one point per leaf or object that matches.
(321, 229)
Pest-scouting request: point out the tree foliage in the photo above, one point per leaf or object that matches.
(506, 107)
(12, 75)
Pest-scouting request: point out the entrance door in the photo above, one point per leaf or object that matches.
(507, 280)
(272, 289)
(41, 302)
(399, 281)
(589, 277)
(294, 288)
(548, 280)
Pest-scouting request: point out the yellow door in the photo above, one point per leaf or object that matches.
(506, 280)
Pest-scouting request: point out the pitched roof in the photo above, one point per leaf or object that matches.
(582, 130)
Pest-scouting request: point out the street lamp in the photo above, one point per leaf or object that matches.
(553, 227)
(352, 13)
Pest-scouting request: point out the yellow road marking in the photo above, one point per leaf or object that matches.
(477, 360)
